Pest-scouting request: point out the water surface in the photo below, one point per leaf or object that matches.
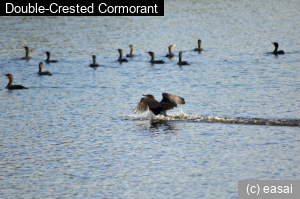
(74, 134)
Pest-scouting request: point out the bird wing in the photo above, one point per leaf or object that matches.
(172, 99)
(145, 103)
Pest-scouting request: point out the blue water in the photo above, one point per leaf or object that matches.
(74, 134)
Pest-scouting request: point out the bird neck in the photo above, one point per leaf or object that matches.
(152, 57)
(180, 57)
(94, 59)
(199, 44)
(131, 50)
(276, 48)
(170, 50)
(48, 57)
(10, 81)
(120, 57)
(27, 52)
(40, 68)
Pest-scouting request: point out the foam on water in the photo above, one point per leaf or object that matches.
(182, 116)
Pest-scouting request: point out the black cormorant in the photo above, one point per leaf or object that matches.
(170, 55)
(41, 70)
(275, 52)
(94, 64)
(152, 58)
(120, 57)
(27, 53)
(131, 50)
(48, 58)
(10, 86)
(199, 46)
(168, 102)
(181, 63)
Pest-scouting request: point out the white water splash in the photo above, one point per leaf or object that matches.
(182, 116)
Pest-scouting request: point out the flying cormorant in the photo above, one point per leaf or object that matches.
(168, 102)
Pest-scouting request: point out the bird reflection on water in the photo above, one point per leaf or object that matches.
(161, 127)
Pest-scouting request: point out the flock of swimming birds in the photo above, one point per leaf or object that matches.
(168, 102)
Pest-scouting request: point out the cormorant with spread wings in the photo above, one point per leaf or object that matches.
(168, 102)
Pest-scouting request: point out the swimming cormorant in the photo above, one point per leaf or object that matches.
(275, 52)
(181, 63)
(10, 86)
(131, 50)
(120, 57)
(94, 64)
(170, 55)
(152, 58)
(41, 70)
(27, 53)
(168, 102)
(199, 46)
(48, 58)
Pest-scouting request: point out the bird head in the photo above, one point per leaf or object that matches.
(150, 53)
(7, 75)
(149, 96)
(275, 44)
